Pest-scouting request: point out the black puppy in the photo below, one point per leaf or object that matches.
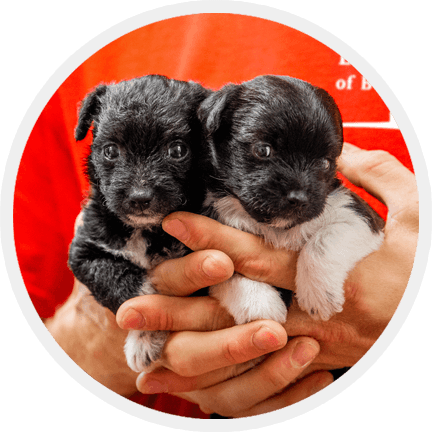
(274, 142)
(142, 166)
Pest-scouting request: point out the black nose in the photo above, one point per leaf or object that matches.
(140, 199)
(297, 198)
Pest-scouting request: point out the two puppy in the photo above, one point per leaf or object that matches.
(261, 156)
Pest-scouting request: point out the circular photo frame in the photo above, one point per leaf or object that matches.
(214, 45)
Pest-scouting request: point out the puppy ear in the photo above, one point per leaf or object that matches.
(330, 104)
(210, 113)
(89, 109)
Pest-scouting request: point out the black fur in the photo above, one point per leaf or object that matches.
(303, 125)
(273, 144)
(143, 164)
(304, 128)
(292, 116)
(372, 218)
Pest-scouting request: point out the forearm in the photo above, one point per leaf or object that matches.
(91, 337)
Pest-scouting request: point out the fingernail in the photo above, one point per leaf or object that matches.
(176, 228)
(303, 354)
(132, 319)
(212, 268)
(152, 387)
(265, 339)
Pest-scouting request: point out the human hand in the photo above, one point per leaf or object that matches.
(197, 358)
(213, 368)
(376, 285)
(89, 334)
(373, 289)
(203, 359)
(208, 349)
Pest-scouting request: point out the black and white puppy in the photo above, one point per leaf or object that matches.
(274, 142)
(143, 165)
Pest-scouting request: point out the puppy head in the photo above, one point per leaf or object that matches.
(274, 142)
(146, 141)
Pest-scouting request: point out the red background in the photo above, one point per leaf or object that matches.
(209, 48)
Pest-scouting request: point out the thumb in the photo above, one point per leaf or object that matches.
(382, 175)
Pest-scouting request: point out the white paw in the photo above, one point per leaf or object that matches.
(144, 348)
(319, 299)
(318, 307)
(247, 300)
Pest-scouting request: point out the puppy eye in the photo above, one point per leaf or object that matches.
(325, 164)
(262, 151)
(177, 151)
(111, 152)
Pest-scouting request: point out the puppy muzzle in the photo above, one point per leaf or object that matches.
(139, 201)
(297, 199)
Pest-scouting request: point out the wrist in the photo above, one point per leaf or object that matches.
(94, 342)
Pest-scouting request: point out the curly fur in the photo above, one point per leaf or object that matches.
(142, 166)
(273, 145)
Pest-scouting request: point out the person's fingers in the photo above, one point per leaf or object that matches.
(194, 353)
(166, 381)
(270, 377)
(302, 389)
(251, 257)
(183, 276)
(159, 312)
(383, 176)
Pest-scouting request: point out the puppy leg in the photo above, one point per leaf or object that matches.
(247, 300)
(324, 263)
(144, 348)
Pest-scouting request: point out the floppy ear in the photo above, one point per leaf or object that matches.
(333, 109)
(212, 111)
(89, 109)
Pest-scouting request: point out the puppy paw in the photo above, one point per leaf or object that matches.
(321, 272)
(319, 300)
(247, 300)
(143, 349)
(319, 308)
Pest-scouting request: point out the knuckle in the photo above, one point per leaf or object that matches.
(190, 276)
(277, 378)
(157, 317)
(180, 366)
(379, 154)
(375, 160)
(163, 281)
(165, 321)
(203, 243)
(235, 352)
(177, 361)
(253, 266)
(200, 239)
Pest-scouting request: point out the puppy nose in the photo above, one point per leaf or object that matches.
(297, 198)
(140, 199)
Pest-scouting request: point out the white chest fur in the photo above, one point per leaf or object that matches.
(136, 250)
(329, 247)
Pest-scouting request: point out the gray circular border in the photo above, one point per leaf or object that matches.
(190, 8)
